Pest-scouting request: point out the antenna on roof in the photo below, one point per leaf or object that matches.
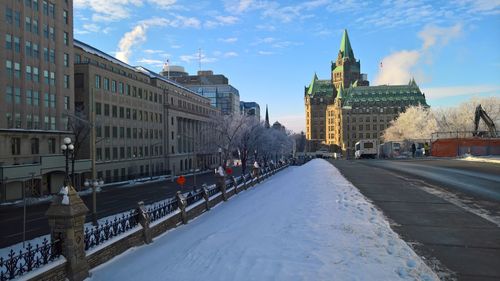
(199, 59)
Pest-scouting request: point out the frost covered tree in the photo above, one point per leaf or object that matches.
(417, 122)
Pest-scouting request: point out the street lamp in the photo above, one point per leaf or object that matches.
(255, 155)
(220, 156)
(94, 183)
(67, 147)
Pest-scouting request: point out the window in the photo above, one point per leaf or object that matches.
(52, 56)
(52, 101)
(66, 59)
(8, 41)
(114, 131)
(46, 31)
(98, 108)
(35, 144)
(46, 54)
(107, 155)
(113, 86)
(17, 93)
(29, 97)
(28, 73)
(15, 146)
(46, 77)
(106, 109)
(52, 9)
(17, 19)
(8, 67)
(27, 24)
(46, 100)
(66, 103)
(36, 99)
(120, 87)
(36, 51)
(114, 111)
(35, 75)
(34, 27)
(65, 16)
(52, 33)
(98, 153)
(27, 48)
(17, 70)
(45, 8)
(17, 44)
(122, 112)
(98, 81)
(66, 39)
(106, 84)
(35, 5)
(29, 121)
(106, 132)
(52, 78)
(8, 15)
(66, 81)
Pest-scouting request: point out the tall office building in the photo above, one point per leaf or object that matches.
(37, 97)
(216, 87)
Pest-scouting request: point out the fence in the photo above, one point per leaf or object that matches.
(110, 235)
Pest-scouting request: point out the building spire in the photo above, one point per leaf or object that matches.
(345, 46)
(267, 119)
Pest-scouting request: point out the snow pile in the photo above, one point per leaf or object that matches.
(488, 159)
(305, 223)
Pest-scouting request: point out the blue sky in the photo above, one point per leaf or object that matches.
(270, 50)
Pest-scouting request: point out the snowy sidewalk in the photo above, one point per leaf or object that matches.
(305, 223)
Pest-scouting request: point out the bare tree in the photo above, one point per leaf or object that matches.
(80, 127)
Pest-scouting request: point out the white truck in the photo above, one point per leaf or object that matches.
(367, 148)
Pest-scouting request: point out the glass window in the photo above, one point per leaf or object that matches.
(17, 70)
(52, 78)
(36, 76)
(15, 146)
(106, 84)
(17, 19)
(8, 67)
(65, 16)
(35, 5)
(52, 9)
(66, 81)
(35, 144)
(8, 41)
(27, 24)
(45, 8)
(28, 73)
(98, 81)
(36, 52)
(27, 48)
(17, 44)
(66, 103)
(66, 59)
(8, 15)
(52, 33)
(52, 56)
(29, 121)
(52, 145)
(29, 97)
(36, 100)
(66, 39)
(52, 100)
(34, 27)
(8, 94)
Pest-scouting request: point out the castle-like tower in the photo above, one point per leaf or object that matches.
(344, 109)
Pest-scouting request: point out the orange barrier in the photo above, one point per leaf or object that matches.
(473, 146)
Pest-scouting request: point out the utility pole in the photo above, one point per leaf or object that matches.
(93, 156)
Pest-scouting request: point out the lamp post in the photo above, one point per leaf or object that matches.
(94, 183)
(67, 147)
(255, 155)
(220, 156)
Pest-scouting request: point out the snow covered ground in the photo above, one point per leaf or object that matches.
(305, 223)
(489, 159)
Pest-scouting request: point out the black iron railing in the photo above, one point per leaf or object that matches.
(212, 190)
(95, 236)
(160, 210)
(193, 197)
(18, 263)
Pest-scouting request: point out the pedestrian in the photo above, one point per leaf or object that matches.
(413, 150)
(426, 149)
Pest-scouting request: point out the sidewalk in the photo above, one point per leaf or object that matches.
(457, 243)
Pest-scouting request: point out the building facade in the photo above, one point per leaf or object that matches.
(145, 124)
(250, 109)
(215, 87)
(345, 109)
(36, 80)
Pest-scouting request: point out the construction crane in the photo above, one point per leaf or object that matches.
(481, 114)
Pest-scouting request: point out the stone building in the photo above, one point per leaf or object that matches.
(145, 124)
(345, 109)
(250, 109)
(36, 79)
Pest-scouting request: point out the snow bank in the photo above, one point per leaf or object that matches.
(305, 223)
(488, 159)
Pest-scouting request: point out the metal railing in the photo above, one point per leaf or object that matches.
(160, 210)
(95, 236)
(29, 259)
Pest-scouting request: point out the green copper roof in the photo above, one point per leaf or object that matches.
(319, 87)
(345, 46)
(383, 95)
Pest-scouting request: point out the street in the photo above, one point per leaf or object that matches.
(448, 210)
(110, 201)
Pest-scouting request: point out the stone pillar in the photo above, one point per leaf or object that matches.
(235, 184)
(144, 220)
(66, 217)
(181, 202)
(205, 196)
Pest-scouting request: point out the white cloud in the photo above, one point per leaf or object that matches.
(152, 62)
(265, 53)
(238, 6)
(230, 54)
(399, 67)
(196, 57)
(114, 10)
(221, 21)
(444, 92)
(149, 51)
(138, 34)
(228, 40)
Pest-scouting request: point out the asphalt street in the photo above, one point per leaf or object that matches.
(111, 200)
(433, 205)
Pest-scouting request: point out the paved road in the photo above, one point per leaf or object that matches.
(433, 205)
(110, 201)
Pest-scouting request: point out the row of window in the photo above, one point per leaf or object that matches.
(32, 98)
(13, 69)
(127, 113)
(117, 153)
(33, 121)
(129, 133)
(125, 89)
(35, 146)
(32, 50)
(48, 9)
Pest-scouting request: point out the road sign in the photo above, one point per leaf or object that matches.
(229, 170)
(181, 180)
